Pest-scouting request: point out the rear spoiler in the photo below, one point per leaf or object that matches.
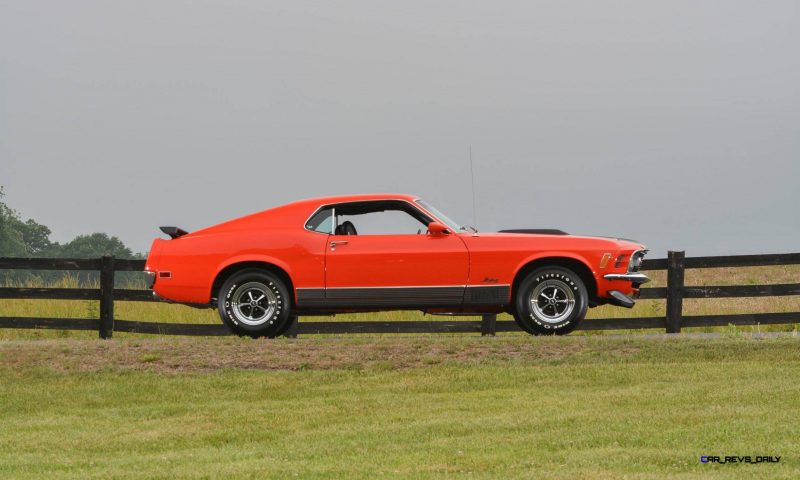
(174, 232)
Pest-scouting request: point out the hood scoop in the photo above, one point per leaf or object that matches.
(536, 231)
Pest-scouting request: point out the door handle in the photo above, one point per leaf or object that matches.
(340, 242)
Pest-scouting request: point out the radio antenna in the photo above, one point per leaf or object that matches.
(472, 178)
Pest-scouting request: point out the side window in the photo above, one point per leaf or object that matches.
(386, 217)
(322, 221)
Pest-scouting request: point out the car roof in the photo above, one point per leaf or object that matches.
(355, 198)
(288, 214)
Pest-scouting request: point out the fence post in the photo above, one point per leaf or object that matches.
(488, 325)
(674, 290)
(106, 296)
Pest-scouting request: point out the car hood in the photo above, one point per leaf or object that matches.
(559, 234)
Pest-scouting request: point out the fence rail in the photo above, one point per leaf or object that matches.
(675, 264)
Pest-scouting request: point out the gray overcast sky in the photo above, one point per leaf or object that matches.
(674, 122)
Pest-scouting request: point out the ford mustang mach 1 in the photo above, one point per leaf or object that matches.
(377, 252)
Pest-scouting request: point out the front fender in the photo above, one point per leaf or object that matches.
(555, 254)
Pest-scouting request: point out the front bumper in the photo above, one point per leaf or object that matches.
(633, 277)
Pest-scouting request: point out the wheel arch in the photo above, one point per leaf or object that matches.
(225, 273)
(577, 265)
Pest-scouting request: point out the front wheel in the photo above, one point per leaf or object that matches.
(254, 303)
(550, 301)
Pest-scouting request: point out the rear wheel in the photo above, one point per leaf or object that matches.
(550, 301)
(254, 303)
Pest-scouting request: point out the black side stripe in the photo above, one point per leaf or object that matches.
(403, 296)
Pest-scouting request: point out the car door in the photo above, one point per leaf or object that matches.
(395, 270)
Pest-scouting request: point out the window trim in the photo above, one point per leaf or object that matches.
(418, 202)
(413, 205)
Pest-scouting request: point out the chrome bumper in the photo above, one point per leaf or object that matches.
(639, 278)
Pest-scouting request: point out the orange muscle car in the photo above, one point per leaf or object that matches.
(377, 252)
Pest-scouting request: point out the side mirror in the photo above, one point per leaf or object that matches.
(436, 229)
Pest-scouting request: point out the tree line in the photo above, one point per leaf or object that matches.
(29, 238)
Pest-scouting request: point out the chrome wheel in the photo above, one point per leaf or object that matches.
(552, 301)
(254, 303)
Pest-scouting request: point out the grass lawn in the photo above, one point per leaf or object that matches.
(407, 407)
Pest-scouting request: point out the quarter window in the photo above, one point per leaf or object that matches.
(322, 221)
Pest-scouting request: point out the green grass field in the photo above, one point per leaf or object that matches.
(584, 406)
(404, 407)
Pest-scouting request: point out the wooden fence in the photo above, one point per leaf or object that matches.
(674, 293)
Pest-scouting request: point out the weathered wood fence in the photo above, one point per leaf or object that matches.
(674, 293)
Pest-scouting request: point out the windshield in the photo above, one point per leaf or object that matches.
(441, 216)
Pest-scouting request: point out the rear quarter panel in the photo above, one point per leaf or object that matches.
(195, 260)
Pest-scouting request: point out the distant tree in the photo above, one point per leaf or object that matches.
(12, 242)
(36, 238)
(92, 246)
(28, 238)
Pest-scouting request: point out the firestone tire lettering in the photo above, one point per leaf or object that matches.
(556, 280)
(273, 324)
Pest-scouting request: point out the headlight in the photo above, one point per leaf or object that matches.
(636, 260)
